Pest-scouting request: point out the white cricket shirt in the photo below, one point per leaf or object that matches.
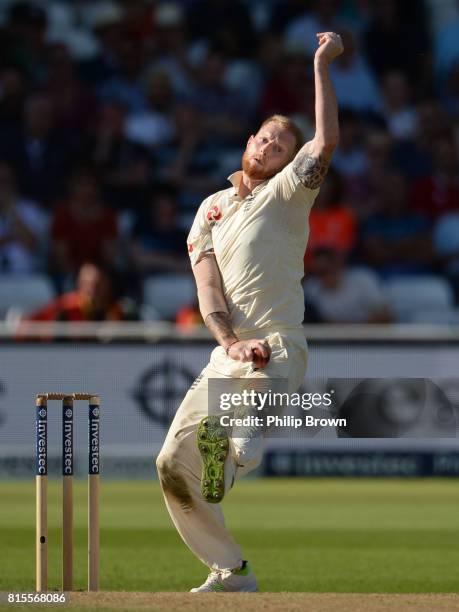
(259, 243)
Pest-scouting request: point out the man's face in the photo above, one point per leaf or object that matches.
(268, 151)
(94, 285)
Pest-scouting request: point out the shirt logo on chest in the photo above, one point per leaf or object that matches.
(214, 214)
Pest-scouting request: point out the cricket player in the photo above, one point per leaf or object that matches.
(246, 247)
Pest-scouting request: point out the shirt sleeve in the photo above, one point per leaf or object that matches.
(200, 237)
(288, 188)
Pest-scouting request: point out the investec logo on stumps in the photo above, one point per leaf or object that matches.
(94, 424)
(42, 442)
(67, 464)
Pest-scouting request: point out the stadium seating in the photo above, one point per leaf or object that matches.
(410, 295)
(23, 294)
(166, 294)
(436, 317)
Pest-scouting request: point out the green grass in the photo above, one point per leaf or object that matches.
(394, 536)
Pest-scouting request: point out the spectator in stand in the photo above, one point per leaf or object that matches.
(230, 24)
(83, 229)
(396, 240)
(242, 68)
(397, 38)
(108, 31)
(237, 41)
(155, 125)
(108, 149)
(349, 158)
(285, 13)
(270, 55)
(95, 298)
(13, 88)
(67, 25)
(23, 228)
(158, 244)
(414, 158)
(290, 90)
(125, 86)
(344, 295)
(138, 18)
(40, 154)
(331, 223)
(400, 115)
(190, 163)
(355, 86)
(170, 54)
(363, 191)
(123, 165)
(322, 17)
(72, 100)
(438, 193)
(224, 119)
(27, 45)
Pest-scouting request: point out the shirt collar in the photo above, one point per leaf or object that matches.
(236, 178)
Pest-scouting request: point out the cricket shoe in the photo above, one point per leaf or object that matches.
(237, 580)
(213, 446)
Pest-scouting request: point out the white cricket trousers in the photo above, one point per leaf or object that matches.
(201, 524)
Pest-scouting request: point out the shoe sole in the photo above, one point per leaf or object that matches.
(213, 446)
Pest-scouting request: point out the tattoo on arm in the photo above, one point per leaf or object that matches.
(219, 323)
(310, 170)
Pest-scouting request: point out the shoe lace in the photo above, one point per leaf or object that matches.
(213, 577)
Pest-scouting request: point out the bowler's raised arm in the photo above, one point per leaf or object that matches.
(312, 161)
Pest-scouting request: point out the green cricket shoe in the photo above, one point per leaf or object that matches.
(213, 446)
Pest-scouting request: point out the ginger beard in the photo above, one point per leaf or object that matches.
(255, 170)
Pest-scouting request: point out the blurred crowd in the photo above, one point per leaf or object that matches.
(118, 117)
